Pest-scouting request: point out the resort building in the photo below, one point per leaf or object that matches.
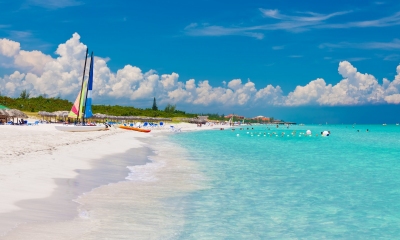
(235, 116)
(262, 118)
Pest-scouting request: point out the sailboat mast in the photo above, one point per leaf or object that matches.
(83, 79)
(87, 87)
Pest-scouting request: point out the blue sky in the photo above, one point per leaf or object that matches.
(316, 58)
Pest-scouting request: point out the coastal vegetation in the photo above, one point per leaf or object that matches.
(43, 103)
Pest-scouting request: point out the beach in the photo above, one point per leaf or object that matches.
(249, 183)
(57, 182)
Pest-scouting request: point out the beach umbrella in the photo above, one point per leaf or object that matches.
(99, 115)
(43, 113)
(61, 113)
(3, 115)
(16, 113)
(3, 112)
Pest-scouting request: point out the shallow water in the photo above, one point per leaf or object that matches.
(217, 185)
(345, 186)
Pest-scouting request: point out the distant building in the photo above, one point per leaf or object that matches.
(262, 118)
(277, 121)
(235, 116)
(203, 118)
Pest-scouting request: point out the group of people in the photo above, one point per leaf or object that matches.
(20, 122)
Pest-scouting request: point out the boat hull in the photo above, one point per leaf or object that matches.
(81, 128)
(135, 129)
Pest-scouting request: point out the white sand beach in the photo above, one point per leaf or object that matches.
(39, 162)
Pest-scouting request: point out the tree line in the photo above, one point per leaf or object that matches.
(42, 103)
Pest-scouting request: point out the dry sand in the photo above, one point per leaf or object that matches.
(34, 157)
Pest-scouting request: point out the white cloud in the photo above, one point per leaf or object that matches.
(393, 45)
(354, 89)
(300, 22)
(8, 47)
(392, 57)
(34, 61)
(278, 47)
(54, 4)
(308, 16)
(61, 76)
(395, 98)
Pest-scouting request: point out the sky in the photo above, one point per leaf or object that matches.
(302, 61)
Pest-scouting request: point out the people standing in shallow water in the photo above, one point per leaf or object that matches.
(367, 130)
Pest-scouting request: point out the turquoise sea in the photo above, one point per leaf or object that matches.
(344, 186)
(241, 184)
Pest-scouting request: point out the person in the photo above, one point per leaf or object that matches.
(367, 130)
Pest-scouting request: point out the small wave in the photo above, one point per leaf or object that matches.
(145, 173)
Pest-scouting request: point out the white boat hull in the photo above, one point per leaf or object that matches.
(74, 128)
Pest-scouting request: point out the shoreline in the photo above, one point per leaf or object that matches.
(34, 179)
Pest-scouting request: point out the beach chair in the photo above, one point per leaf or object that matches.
(146, 125)
(131, 125)
(161, 124)
(174, 129)
(36, 123)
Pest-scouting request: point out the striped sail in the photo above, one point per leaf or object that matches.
(88, 105)
(77, 108)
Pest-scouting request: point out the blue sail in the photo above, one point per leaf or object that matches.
(88, 105)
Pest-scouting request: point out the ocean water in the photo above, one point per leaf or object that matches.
(240, 184)
(292, 186)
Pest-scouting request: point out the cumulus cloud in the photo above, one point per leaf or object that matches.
(8, 47)
(354, 89)
(61, 76)
(31, 61)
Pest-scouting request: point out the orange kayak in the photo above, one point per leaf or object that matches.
(135, 129)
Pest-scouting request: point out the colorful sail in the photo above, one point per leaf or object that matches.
(77, 108)
(88, 102)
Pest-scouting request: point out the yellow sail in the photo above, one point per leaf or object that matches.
(77, 108)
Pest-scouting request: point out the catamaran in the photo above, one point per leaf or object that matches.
(82, 107)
